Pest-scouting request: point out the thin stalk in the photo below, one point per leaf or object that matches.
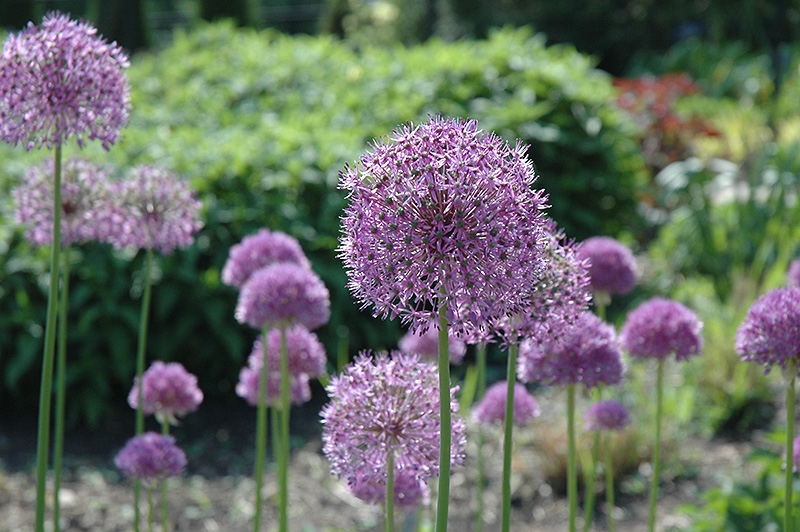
(609, 484)
(261, 428)
(788, 520)
(657, 445)
(481, 480)
(275, 428)
(43, 438)
(283, 471)
(342, 347)
(445, 427)
(389, 502)
(591, 477)
(165, 432)
(572, 470)
(61, 391)
(508, 426)
(150, 508)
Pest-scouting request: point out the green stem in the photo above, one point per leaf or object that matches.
(443, 496)
(165, 432)
(140, 352)
(481, 480)
(61, 391)
(572, 470)
(43, 438)
(150, 508)
(261, 427)
(283, 472)
(609, 485)
(657, 445)
(275, 427)
(389, 502)
(788, 520)
(591, 477)
(508, 427)
(342, 348)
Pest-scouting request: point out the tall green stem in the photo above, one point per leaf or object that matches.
(144, 317)
(788, 519)
(261, 427)
(445, 427)
(164, 515)
(572, 470)
(591, 477)
(43, 438)
(389, 503)
(508, 426)
(61, 390)
(609, 485)
(150, 509)
(481, 480)
(283, 471)
(657, 445)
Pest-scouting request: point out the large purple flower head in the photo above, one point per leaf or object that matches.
(606, 415)
(426, 345)
(612, 266)
(770, 334)
(586, 352)
(259, 250)
(168, 391)
(282, 295)
(659, 327)
(793, 274)
(409, 491)
(442, 213)
(249, 384)
(151, 457)
(61, 80)
(85, 202)
(381, 405)
(492, 408)
(304, 352)
(157, 210)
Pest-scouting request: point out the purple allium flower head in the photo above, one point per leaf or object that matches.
(169, 391)
(248, 385)
(381, 405)
(770, 333)
(442, 212)
(151, 457)
(281, 295)
(61, 80)
(85, 201)
(156, 210)
(586, 352)
(659, 327)
(492, 408)
(259, 250)
(409, 491)
(793, 275)
(426, 345)
(612, 266)
(304, 352)
(606, 415)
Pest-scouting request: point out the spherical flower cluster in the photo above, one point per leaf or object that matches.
(259, 250)
(606, 415)
(587, 352)
(659, 327)
(442, 213)
(793, 275)
(85, 203)
(426, 345)
(61, 80)
(168, 391)
(612, 267)
(157, 210)
(770, 333)
(151, 457)
(249, 384)
(282, 295)
(492, 408)
(381, 405)
(409, 491)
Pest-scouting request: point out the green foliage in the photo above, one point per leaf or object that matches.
(262, 123)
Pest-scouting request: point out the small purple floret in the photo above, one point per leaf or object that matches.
(169, 391)
(259, 250)
(606, 415)
(612, 266)
(151, 457)
(770, 333)
(659, 327)
(426, 345)
(492, 408)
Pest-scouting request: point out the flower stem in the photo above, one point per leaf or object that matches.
(443, 496)
(657, 445)
(481, 480)
(140, 352)
(283, 471)
(165, 432)
(591, 477)
(150, 508)
(389, 502)
(507, 436)
(609, 485)
(43, 438)
(61, 391)
(788, 519)
(261, 428)
(572, 470)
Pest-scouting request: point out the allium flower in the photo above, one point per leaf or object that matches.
(304, 352)
(259, 250)
(282, 295)
(587, 352)
(151, 457)
(426, 345)
(381, 405)
(442, 212)
(606, 415)
(612, 267)
(770, 334)
(169, 391)
(793, 275)
(409, 491)
(492, 408)
(60, 80)
(157, 210)
(659, 327)
(85, 201)
(248, 386)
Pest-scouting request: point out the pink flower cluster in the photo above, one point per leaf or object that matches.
(492, 408)
(151, 457)
(659, 327)
(168, 391)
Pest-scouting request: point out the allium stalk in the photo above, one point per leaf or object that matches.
(443, 493)
(657, 445)
(261, 430)
(283, 457)
(389, 497)
(61, 384)
(480, 360)
(572, 467)
(788, 518)
(507, 435)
